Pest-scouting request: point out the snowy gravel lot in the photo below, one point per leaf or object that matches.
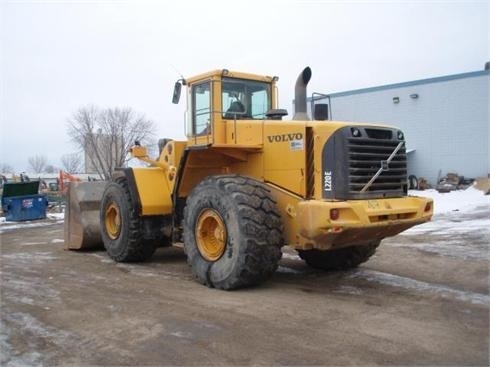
(423, 299)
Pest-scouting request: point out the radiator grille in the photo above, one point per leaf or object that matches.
(365, 158)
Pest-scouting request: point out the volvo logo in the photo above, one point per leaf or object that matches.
(284, 137)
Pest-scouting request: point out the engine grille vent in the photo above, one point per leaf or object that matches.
(367, 156)
(364, 162)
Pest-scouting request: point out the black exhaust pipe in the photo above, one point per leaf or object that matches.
(300, 95)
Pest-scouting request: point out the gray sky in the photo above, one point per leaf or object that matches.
(56, 56)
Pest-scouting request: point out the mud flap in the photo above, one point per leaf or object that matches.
(82, 227)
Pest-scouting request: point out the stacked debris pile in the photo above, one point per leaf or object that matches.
(483, 184)
(423, 184)
(452, 181)
(415, 183)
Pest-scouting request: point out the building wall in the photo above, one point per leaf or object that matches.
(447, 126)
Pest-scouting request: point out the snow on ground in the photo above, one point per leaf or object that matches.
(50, 219)
(409, 283)
(56, 216)
(458, 200)
(449, 208)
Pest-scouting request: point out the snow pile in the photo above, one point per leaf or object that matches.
(458, 200)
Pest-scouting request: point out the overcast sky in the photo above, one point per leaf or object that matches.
(56, 56)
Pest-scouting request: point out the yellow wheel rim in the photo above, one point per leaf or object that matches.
(211, 235)
(113, 221)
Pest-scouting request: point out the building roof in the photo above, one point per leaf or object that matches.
(411, 83)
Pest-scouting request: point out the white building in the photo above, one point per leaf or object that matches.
(445, 120)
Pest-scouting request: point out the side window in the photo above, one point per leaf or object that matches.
(247, 99)
(233, 99)
(201, 114)
(260, 103)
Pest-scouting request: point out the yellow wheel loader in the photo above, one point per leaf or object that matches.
(246, 182)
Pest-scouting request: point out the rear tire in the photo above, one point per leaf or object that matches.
(232, 232)
(340, 259)
(121, 225)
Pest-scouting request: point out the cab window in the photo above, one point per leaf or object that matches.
(245, 99)
(201, 114)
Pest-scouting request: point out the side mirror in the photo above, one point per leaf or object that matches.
(177, 90)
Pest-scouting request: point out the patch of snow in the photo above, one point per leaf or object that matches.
(413, 284)
(58, 216)
(8, 226)
(27, 258)
(24, 290)
(451, 225)
(347, 289)
(104, 259)
(182, 334)
(26, 301)
(454, 224)
(136, 270)
(36, 327)
(10, 357)
(57, 240)
(454, 249)
(286, 255)
(457, 200)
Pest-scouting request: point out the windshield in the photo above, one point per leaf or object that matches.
(245, 99)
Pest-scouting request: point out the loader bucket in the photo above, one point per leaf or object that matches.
(82, 227)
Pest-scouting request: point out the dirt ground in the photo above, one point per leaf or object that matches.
(423, 299)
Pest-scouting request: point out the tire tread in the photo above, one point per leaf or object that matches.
(260, 228)
(134, 248)
(340, 259)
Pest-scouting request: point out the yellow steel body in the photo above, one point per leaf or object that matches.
(155, 184)
(258, 149)
(307, 223)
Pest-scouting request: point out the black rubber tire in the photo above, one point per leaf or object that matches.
(253, 226)
(413, 182)
(129, 246)
(340, 259)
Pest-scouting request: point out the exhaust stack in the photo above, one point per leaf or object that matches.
(300, 95)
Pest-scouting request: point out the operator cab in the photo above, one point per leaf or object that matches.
(218, 99)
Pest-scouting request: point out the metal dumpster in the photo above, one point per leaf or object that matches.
(22, 201)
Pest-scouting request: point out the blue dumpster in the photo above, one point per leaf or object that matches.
(21, 201)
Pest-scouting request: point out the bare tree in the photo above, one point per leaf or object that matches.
(37, 163)
(51, 169)
(72, 163)
(6, 168)
(106, 135)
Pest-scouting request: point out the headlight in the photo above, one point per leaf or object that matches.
(355, 132)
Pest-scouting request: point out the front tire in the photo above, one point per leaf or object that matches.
(121, 225)
(340, 259)
(232, 232)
